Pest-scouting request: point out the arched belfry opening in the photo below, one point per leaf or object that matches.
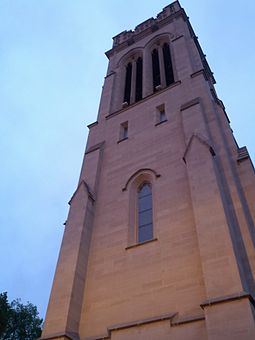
(133, 89)
(169, 74)
(128, 83)
(155, 69)
(139, 80)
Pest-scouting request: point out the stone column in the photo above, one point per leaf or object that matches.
(162, 67)
(147, 73)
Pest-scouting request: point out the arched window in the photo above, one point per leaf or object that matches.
(144, 218)
(139, 79)
(155, 69)
(128, 79)
(168, 65)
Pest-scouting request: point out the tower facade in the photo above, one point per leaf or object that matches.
(159, 240)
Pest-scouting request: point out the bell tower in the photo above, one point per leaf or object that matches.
(159, 240)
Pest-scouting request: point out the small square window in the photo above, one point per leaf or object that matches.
(160, 114)
(123, 131)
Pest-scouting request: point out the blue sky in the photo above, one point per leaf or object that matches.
(52, 66)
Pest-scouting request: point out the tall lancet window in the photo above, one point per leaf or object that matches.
(155, 69)
(139, 79)
(168, 65)
(128, 79)
(145, 227)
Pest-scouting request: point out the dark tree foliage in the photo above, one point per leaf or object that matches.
(18, 321)
(4, 311)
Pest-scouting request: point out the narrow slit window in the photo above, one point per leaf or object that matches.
(160, 114)
(139, 80)
(127, 91)
(123, 131)
(155, 69)
(145, 225)
(168, 65)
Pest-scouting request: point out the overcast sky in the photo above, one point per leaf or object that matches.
(52, 66)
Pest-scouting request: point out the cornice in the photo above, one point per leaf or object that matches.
(92, 125)
(227, 298)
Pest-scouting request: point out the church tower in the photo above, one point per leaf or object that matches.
(159, 240)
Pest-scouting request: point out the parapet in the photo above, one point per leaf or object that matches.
(127, 38)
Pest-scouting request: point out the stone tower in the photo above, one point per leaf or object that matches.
(159, 240)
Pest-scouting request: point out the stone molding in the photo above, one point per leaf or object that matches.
(140, 171)
(131, 324)
(177, 37)
(141, 243)
(202, 140)
(190, 103)
(110, 74)
(184, 320)
(94, 147)
(242, 154)
(89, 126)
(91, 195)
(198, 73)
(172, 317)
(227, 298)
(110, 115)
(64, 336)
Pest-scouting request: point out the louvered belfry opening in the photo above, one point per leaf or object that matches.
(128, 80)
(139, 79)
(155, 69)
(168, 65)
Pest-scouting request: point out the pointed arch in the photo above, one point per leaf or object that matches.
(132, 63)
(127, 57)
(156, 40)
(142, 205)
(161, 61)
(144, 172)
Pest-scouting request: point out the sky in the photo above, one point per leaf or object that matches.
(52, 67)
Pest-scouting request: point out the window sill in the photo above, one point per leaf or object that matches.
(110, 115)
(141, 243)
(122, 139)
(163, 121)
